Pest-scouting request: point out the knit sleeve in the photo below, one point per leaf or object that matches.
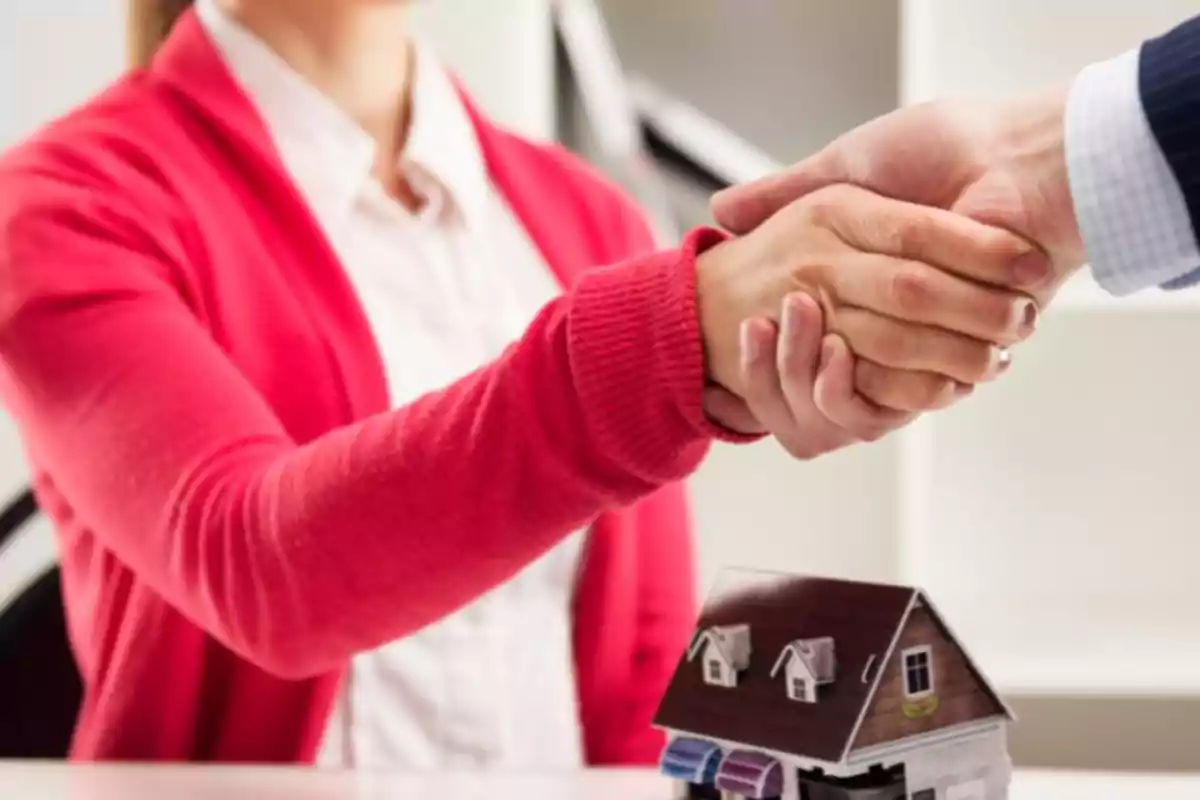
(298, 556)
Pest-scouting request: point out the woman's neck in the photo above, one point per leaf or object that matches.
(355, 52)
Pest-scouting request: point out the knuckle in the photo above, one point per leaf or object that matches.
(822, 208)
(932, 392)
(905, 391)
(829, 204)
(868, 378)
(997, 315)
(896, 348)
(875, 383)
(976, 363)
(910, 290)
(906, 233)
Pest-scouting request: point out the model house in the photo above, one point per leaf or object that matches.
(805, 688)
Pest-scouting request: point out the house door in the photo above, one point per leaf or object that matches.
(968, 790)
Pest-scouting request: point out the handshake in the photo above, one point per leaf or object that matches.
(887, 275)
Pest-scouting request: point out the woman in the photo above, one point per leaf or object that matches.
(340, 472)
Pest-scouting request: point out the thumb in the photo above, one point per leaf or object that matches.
(996, 200)
(741, 209)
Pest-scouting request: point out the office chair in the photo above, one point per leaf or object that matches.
(40, 687)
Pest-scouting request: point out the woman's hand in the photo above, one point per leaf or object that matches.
(799, 385)
(923, 336)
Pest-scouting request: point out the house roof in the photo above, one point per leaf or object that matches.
(864, 620)
(817, 656)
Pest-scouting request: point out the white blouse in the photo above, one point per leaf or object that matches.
(444, 291)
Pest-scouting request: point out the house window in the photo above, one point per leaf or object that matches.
(799, 689)
(918, 671)
(714, 671)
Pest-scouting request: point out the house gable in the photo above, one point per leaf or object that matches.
(725, 651)
(717, 669)
(800, 682)
(807, 665)
(928, 683)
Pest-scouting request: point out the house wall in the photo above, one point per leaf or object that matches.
(960, 696)
(712, 658)
(959, 761)
(797, 669)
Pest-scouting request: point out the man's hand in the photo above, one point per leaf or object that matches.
(1003, 164)
(899, 282)
(895, 283)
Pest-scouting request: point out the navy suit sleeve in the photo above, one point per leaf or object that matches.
(1169, 82)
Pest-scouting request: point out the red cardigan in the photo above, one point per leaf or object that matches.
(206, 415)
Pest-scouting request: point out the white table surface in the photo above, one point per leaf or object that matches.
(19, 780)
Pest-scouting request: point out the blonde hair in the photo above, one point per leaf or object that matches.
(149, 23)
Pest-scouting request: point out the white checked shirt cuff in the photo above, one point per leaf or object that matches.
(1131, 211)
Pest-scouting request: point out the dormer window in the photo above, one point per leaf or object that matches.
(918, 671)
(726, 652)
(807, 664)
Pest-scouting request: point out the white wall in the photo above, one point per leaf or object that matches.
(53, 53)
(994, 47)
(504, 52)
(1053, 523)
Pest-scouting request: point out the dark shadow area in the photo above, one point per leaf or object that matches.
(40, 688)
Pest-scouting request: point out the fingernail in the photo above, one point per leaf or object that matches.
(1029, 316)
(1004, 360)
(1031, 269)
(751, 351)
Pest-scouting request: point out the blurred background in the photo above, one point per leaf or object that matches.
(1052, 517)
